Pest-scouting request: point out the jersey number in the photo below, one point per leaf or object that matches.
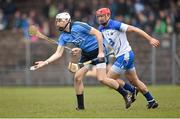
(111, 42)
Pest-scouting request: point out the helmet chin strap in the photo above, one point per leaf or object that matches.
(62, 29)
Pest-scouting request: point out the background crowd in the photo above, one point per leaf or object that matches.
(153, 16)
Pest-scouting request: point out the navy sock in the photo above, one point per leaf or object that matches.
(149, 98)
(122, 91)
(80, 101)
(129, 87)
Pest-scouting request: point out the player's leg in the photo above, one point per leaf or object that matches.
(114, 73)
(131, 75)
(125, 89)
(119, 67)
(102, 77)
(79, 87)
(78, 77)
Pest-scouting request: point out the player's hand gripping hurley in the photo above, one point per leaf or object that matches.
(74, 67)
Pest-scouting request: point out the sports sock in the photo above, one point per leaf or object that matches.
(122, 91)
(80, 101)
(149, 98)
(129, 87)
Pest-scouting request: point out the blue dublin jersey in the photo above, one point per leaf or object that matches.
(79, 36)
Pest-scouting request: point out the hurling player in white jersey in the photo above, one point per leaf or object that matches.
(115, 34)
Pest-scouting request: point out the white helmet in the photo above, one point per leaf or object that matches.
(63, 16)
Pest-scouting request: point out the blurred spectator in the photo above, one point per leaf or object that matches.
(3, 22)
(139, 7)
(77, 15)
(45, 10)
(164, 5)
(121, 7)
(45, 27)
(85, 10)
(114, 8)
(70, 4)
(142, 20)
(150, 24)
(33, 16)
(17, 21)
(52, 11)
(169, 25)
(61, 7)
(177, 18)
(160, 27)
(9, 7)
(24, 26)
(129, 8)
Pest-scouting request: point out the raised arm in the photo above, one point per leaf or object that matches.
(99, 38)
(154, 42)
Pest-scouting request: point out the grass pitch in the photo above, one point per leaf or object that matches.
(100, 102)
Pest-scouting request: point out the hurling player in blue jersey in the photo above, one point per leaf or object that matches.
(115, 34)
(90, 41)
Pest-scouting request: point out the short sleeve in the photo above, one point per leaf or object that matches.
(61, 41)
(123, 27)
(84, 27)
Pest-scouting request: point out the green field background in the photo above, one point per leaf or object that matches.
(100, 102)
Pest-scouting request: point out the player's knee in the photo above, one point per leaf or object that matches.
(101, 79)
(77, 78)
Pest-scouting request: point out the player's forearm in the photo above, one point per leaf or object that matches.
(53, 58)
(56, 55)
(100, 42)
(99, 38)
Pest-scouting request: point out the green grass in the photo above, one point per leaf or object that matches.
(99, 101)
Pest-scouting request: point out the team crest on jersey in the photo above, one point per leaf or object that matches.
(78, 41)
(109, 33)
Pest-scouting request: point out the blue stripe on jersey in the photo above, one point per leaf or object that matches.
(112, 24)
(80, 37)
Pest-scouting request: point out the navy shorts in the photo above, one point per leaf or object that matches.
(86, 56)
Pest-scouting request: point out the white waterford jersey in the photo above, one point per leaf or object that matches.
(115, 34)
